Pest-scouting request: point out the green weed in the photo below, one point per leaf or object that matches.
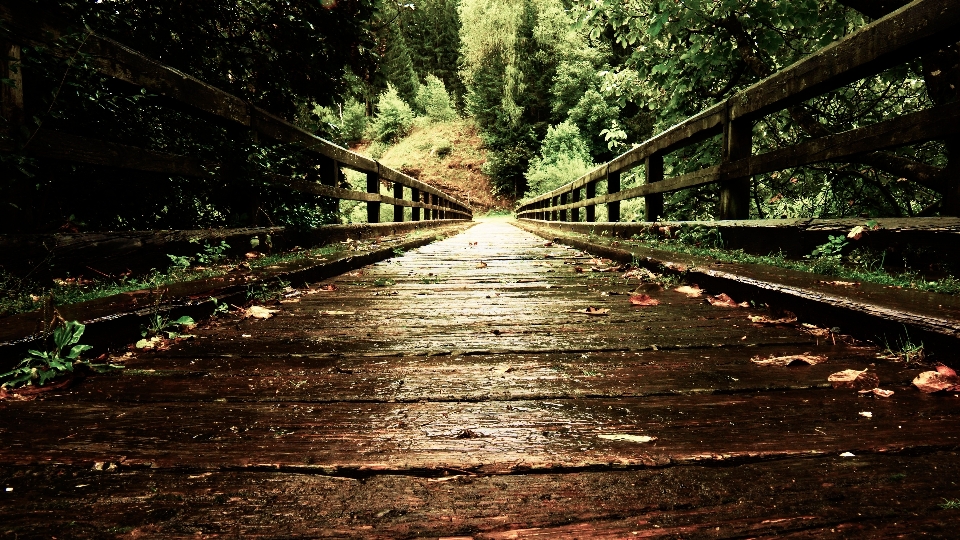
(905, 351)
(950, 504)
(41, 367)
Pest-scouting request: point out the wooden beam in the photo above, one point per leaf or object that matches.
(51, 144)
(415, 211)
(653, 203)
(591, 190)
(613, 186)
(899, 36)
(398, 210)
(11, 90)
(735, 193)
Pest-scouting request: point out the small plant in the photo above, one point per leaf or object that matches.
(398, 251)
(218, 308)
(212, 254)
(905, 351)
(267, 291)
(831, 249)
(950, 504)
(383, 282)
(43, 366)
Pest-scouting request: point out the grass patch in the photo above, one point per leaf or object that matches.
(21, 295)
(705, 242)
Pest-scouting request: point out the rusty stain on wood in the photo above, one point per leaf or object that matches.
(429, 395)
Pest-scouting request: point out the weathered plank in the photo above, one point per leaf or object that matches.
(361, 412)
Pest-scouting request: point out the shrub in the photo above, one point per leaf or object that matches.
(353, 123)
(394, 117)
(433, 101)
(564, 157)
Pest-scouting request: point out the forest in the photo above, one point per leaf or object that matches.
(551, 88)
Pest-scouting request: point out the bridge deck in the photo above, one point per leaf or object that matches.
(457, 391)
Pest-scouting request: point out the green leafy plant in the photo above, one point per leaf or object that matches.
(831, 249)
(43, 366)
(214, 253)
(267, 291)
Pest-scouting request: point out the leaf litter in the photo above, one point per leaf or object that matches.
(258, 312)
(944, 379)
(592, 311)
(627, 438)
(724, 300)
(643, 300)
(692, 291)
(791, 360)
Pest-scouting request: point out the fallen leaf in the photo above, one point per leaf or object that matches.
(866, 414)
(335, 312)
(606, 269)
(593, 311)
(842, 283)
(848, 454)
(783, 361)
(945, 371)
(481, 264)
(578, 269)
(252, 255)
(937, 381)
(628, 438)
(155, 342)
(761, 319)
(258, 312)
(854, 379)
(690, 291)
(676, 266)
(878, 392)
(856, 233)
(643, 300)
(723, 300)
(640, 273)
(548, 244)
(328, 288)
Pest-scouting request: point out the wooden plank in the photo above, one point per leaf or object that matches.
(899, 36)
(64, 146)
(935, 123)
(868, 496)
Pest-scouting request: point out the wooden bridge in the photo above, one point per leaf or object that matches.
(500, 378)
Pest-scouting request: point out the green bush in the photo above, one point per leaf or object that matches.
(353, 123)
(564, 157)
(394, 118)
(434, 102)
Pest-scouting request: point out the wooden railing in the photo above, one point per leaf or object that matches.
(120, 62)
(900, 36)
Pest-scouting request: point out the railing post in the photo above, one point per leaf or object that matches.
(554, 214)
(653, 204)
(434, 213)
(443, 208)
(415, 211)
(563, 200)
(11, 97)
(575, 212)
(613, 186)
(735, 194)
(592, 209)
(373, 186)
(397, 209)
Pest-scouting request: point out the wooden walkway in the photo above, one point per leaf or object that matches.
(456, 391)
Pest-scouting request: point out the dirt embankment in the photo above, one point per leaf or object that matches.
(448, 155)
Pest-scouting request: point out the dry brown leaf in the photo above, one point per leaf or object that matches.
(943, 379)
(640, 273)
(548, 244)
(691, 291)
(578, 269)
(627, 438)
(328, 288)
(481, 264)
(877, 392)
(723, 300)
(679, 267)
(856, 233)
(854, 379)
(593, 311)
(842, 283)
(335, 312)
(783, 361)
(606, 269)
(258, 312)
(761, 319)
(643, 300)
(253, 255)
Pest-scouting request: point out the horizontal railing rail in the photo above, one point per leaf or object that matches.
(26, 27)
(896, 38)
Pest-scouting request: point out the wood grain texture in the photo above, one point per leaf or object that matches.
(456, 391)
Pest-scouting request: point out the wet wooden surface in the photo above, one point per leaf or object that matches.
(455, 391)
